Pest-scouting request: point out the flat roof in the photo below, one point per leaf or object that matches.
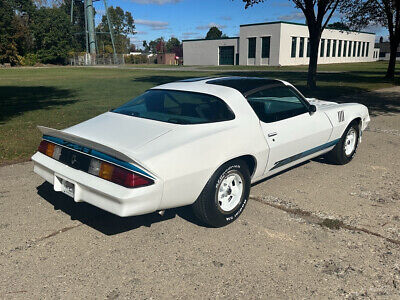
(301, 24)
(225, 38)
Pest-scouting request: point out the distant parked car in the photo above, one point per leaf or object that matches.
(199, 142)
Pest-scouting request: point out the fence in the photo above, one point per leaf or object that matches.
(97, 59)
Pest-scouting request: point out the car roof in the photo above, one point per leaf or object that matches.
(245, 85)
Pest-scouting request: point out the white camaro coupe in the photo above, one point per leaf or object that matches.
(199, 142)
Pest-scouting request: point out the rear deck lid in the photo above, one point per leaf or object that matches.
(122, 133)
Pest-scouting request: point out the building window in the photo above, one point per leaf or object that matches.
(366, 54)
(354, 48)
(266, 45)
(344, 48)
(350, 44)
(301, 50)
(334, 48)
(339, 54)
(308, 47)
(328, 48)
(363, 50)
(252, 48)
(322, 50)
(359, 49)
(294, 44)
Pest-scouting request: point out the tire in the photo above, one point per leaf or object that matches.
(225, 195)
(346, 148)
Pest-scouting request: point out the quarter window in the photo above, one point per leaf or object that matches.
(276, 103)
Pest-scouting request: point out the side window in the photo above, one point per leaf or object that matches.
(276, 103)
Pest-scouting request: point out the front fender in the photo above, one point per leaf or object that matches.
(342, 115)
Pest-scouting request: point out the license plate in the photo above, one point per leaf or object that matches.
(68, 188)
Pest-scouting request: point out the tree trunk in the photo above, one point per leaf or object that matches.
(394, 43)
(312, 66)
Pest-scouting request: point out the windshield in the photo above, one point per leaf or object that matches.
(177, 107)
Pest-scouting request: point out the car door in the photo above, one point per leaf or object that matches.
(291, 130)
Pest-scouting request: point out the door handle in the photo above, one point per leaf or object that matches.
(272, 134)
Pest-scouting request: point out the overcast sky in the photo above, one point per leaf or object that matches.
(191, 19)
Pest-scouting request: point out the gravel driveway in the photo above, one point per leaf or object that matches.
(316, 231)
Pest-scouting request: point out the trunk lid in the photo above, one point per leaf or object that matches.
(113, 133)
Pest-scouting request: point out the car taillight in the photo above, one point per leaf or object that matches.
(43, 146)
(117, 175)
(50, 149)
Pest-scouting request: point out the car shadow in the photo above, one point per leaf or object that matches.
(103, 221)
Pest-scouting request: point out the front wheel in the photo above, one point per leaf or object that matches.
(346, 148)
(225, 195)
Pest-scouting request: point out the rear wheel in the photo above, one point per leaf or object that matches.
(225, 195)
(346, 148)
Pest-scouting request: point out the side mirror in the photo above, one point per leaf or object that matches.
(313, 109)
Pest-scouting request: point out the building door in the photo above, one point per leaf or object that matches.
(226, 55)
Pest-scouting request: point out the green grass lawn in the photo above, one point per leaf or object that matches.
(63, 96)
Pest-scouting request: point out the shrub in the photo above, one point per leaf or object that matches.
(30, 59)
(136, 59)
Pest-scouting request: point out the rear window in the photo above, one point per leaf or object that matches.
(177, 107)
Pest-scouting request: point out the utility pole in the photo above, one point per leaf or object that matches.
(90, 25)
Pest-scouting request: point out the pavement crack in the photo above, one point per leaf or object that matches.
(324, 222)
(32, 243)
(65, 229)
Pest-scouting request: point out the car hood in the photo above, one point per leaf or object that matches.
(120, 132)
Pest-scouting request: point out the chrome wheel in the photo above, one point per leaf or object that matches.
(230, 191)
(350, 142)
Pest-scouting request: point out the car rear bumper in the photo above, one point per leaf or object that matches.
(106, 195)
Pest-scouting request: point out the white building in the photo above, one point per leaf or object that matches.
(280, 44)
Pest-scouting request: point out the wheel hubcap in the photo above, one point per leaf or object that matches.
(230, 192)
(350, 142)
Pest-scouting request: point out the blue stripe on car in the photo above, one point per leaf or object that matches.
(293, 158)
(97, 154)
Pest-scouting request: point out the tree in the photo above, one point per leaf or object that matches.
(78, 23)
(160, 48)
(132, 48)
(361, 13)
(317, 14)
(146, 47)
(15, 36)
(123, 27)
(213, 33)
(53, 36)
(339, 26)
(156, 45)
(174, 46)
